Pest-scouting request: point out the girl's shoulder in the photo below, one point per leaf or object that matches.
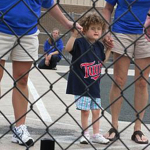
(82, 41)
(99, 43)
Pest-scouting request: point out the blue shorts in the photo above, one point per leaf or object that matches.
(86, 103)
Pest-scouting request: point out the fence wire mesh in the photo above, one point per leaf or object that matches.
(53, 93)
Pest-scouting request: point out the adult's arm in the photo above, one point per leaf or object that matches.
(56, 13)
(60, 45)
(107, 12)
(147, 27)
(47, 46)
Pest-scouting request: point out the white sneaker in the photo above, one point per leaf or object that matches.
(84, 140)
(22, 136)
(98, 138)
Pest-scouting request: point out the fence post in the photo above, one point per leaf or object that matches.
(47, 144)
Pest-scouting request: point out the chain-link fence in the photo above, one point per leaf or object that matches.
(66, 130)
(43, 36)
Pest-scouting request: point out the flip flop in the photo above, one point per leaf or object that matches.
(134, 138)
(113, 130)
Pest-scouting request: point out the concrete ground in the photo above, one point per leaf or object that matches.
(54, 114)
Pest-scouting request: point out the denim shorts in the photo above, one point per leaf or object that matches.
(87, 103)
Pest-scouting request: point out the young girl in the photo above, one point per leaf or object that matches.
(84, 78)
(53, 48)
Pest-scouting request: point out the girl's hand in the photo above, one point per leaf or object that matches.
(108, 41)
(75, 33)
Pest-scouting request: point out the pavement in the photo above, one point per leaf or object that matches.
(53, 113)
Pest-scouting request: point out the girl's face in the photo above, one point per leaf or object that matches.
(93, 33)
(55, 34)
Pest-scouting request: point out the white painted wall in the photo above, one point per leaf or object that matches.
(99, 3)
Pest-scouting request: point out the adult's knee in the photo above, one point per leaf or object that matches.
(55, 58)
(41, 64)
(141, 83)
(119, 81)
(23, 81)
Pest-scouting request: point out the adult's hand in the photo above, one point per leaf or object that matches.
(47, 60)
(147, 28)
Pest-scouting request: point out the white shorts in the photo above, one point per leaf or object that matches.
(25, 49)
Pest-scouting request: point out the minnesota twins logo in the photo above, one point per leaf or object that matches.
(92, 70)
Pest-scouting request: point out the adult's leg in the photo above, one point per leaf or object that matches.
(120, 76)
(141, 91)
(42, 64)
(19, 101)
(53, 61)
(2, 63)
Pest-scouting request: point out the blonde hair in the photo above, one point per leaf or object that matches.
(50, 39)
(56, 30)
(92, 18)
